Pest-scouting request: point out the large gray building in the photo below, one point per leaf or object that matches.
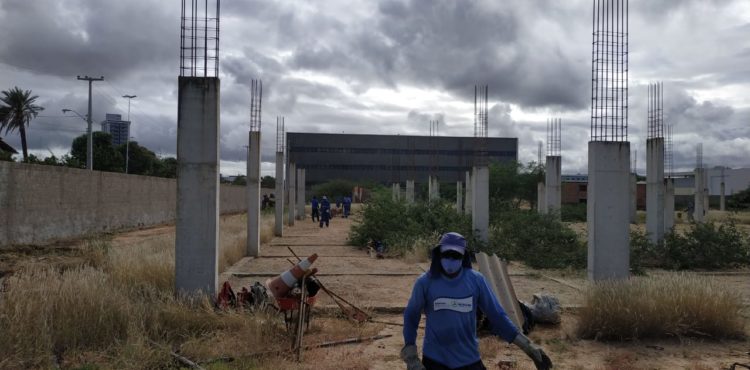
(390, 158)
(115, 126)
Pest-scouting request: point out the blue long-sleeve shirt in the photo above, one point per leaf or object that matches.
(450, 306)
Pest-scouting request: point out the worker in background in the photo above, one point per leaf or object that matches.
(314, 205)
(449, 294)
(347, 206)
(325, 211)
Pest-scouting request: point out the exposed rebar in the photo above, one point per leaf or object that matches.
(609, 71)
(554, 134)
(481, 123)
(280, 139)
(256, 100)
(199, 39)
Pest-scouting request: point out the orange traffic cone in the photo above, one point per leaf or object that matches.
(280, 285)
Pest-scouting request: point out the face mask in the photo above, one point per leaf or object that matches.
(451, 266)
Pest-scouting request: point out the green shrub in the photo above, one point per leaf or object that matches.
(643, 253)
(707, 246)
(573, 212)
(540, 241)
(400, 225)
(334, 189)
(662, 306)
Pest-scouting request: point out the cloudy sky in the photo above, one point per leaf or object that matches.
(363, 66)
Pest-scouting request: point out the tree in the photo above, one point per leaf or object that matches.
(268, 182)
(106, 158)
(142, 160)
(16, 113)
(167, 167)
(512, 183)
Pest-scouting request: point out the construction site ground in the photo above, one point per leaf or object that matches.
(382, 287)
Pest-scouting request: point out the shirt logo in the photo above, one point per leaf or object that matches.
(454, 304)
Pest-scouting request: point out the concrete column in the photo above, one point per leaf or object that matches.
(292, 191)
(301, 200)
(706, 193)
(279, 195)
(552, 182)
(395, 189)
(655, 189)
(459, 196)
(253, 194)
(469, 192)
(541, 198)
(410, 191)
(435, 188)
(722, 200)
(699, 211)
(633, 198)
(197, 234)
(480, 216)
(607, 210)
(668, 205)
(430, 188)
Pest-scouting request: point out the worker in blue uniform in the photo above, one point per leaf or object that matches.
(325, 211)
(450, 294)
(315, 211)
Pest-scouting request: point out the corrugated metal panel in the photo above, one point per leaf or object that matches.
(495, 271)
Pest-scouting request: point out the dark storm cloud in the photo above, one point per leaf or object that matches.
(111, 38)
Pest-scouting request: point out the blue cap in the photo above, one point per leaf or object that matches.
(453, 242)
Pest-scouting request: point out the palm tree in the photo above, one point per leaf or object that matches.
(16, 112)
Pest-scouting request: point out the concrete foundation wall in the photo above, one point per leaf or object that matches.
(552, 181)
(608, 208)
(655, 189)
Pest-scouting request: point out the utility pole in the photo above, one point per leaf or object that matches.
(127, 140)
(90, 149)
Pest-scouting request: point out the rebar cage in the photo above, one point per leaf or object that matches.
(199, 39)
(609, 71)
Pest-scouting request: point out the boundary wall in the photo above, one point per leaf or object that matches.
(40, 204)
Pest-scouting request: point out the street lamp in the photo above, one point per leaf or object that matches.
(127, 140)
(89, 146)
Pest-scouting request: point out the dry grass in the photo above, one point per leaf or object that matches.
(113, 304)
(233, 237)
(662, 306)
(419, 251)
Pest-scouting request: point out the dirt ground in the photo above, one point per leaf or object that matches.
(382, 287)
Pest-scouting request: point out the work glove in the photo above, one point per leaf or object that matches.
(541, 360)
(410, 357)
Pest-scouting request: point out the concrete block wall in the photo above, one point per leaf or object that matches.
(40, 204)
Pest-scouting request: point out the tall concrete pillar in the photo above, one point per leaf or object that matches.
(459, 196)
(433, 188)
(278, 229)
(722, 200)
(480, 216)
(292, 191)
(633, 198)
(607, 210)
(395, 191)
(253, 194)
(436, 188)
(706, 193)
(197, 234)
(410, 191)
(541, 198)
(469, 193)
(699, 211)
(668, 205)
(553, 184)
(301, 200)
(655, 189)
